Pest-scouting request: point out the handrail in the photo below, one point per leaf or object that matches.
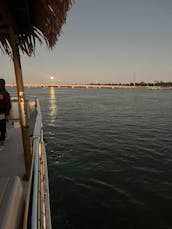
(34, 217)
(36, 139)
(40, 205)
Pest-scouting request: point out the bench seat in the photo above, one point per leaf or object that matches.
(11, 202)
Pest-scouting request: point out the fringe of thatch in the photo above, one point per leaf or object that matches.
(43, 21)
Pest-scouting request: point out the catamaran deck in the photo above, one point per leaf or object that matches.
(24, 201)
(12, 189)
(11, 154)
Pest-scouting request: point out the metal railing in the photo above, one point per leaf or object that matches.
(40, 218)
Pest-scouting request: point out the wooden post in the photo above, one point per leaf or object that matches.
(22, 103)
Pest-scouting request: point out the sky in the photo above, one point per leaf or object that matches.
(112, 41)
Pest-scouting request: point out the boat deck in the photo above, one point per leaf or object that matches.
(22, 200)
(11, 154)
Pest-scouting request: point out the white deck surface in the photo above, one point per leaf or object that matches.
(11, 155)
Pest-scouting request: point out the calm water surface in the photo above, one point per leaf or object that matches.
(110, 157)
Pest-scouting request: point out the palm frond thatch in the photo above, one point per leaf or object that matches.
(31, 20)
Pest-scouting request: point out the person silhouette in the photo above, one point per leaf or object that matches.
(5, 106)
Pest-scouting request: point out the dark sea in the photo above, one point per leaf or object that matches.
(109, 157)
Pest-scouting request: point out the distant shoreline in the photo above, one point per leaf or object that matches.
(108, 86)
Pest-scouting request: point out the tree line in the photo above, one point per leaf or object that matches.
(156, 83)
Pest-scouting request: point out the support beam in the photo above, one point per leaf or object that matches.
(22, 103)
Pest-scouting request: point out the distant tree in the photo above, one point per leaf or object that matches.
(150, 84)
(142, 84)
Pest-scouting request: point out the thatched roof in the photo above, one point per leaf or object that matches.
(31, 20)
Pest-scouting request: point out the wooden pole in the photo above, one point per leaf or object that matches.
(22, 104)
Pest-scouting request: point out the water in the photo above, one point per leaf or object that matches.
(109, 156)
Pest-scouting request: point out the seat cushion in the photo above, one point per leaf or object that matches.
(11, 202)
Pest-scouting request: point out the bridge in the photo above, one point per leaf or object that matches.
(109, 86)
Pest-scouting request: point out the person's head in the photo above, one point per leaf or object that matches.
(2, 83)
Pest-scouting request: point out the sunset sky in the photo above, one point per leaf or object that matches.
(105, 42)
